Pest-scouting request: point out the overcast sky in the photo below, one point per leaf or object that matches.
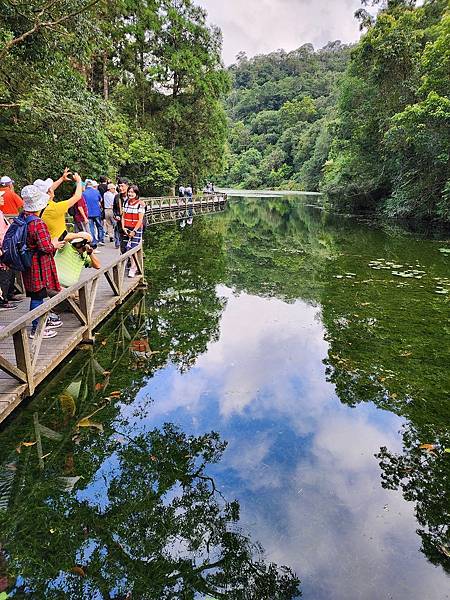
(261, 26)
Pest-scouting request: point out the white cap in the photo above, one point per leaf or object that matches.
(5, 180)
(43, 186)
(33, 198)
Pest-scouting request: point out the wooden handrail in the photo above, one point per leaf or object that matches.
(51, 303)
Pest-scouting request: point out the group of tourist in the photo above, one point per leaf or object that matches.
(38, 244)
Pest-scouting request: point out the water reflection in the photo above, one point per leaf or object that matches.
(286, 331)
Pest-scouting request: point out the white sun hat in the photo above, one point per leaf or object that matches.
(5, 180)
(44, 186)
(33, 198)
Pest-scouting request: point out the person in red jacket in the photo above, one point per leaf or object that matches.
(12, 201)
(42, 275)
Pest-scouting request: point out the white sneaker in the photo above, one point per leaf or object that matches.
(48, 333)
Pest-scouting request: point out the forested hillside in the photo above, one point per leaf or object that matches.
(130, 86)
(280, 111)
(368, 125)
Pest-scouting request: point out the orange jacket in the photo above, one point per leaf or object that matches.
(12, 201)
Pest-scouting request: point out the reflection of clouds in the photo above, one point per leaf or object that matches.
(301, 463)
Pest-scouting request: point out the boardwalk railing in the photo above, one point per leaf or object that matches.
(23, 360)
(165, 209)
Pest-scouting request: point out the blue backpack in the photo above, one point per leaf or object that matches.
(16, 253)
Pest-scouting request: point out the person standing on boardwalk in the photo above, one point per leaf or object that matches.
(41, 276)
(108, 203)
(80, 216)
(93, 200)
(132, 223)
(119, 201)
(12, 202)
(54, 213)
(7, 275)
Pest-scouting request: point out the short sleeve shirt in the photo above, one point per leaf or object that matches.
(54, 216)
(69, 264)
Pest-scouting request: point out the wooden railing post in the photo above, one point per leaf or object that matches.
(85, 307)
(23, 357)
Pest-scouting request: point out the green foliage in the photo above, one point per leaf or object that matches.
(390, 150)
(281, 106)
(83, 79)
(149, 165)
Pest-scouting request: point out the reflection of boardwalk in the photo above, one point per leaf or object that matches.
(164, 210)
(25, 363)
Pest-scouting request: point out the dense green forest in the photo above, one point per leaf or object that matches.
(138, 87)
(280, 112)
(131, 86)
(368, 125)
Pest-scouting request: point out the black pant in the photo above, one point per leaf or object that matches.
(7, 279)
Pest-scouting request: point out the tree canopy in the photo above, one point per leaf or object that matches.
(131, 88)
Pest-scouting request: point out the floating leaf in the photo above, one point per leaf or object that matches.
(25, 444)
(427, 446)
(444, 250)
(115, 394)
(78, 571)
(87, 422)
(67, 402)
(447, 450)
(99, 386)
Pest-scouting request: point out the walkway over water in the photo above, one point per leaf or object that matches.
(25, 363)
(164, 210)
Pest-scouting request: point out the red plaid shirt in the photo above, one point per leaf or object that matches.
(42, 273)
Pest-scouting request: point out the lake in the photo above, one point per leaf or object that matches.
(274, 408)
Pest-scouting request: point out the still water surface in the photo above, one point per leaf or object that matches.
(318, 348)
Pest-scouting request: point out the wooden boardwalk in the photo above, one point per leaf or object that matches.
(25, 363)
(166, 209)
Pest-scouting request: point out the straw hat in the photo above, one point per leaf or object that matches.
(33, 198)
(80, 236)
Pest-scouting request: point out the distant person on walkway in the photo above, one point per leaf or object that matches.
(80, 216)
(188, 191)
(54, 213)
(108, 203)
(119, 201)
(103, 186)
(93, 200)
(12, 202)
(181, 191)
(41, 276)
(132, 223)
(76, 255)
(7, 275)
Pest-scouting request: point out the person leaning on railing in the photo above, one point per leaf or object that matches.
(132, 220)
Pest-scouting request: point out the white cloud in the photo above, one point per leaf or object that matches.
(262, 26)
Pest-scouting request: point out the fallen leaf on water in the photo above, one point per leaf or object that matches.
(99, 386)
(153, 457)
(78, 571)
(26, 444)
(86, 422)
(445, 250)
(447, 450)
(115, 394)
(445, 550)
(103, 343)
(405, 353)
(427, 446)
(45, 455)
(106, 373)
(67, 402)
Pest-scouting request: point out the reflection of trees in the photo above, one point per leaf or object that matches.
(277, 247)
(150, 524)
(386, 347)
(423, 475)
(108, 510)
(183, 268)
